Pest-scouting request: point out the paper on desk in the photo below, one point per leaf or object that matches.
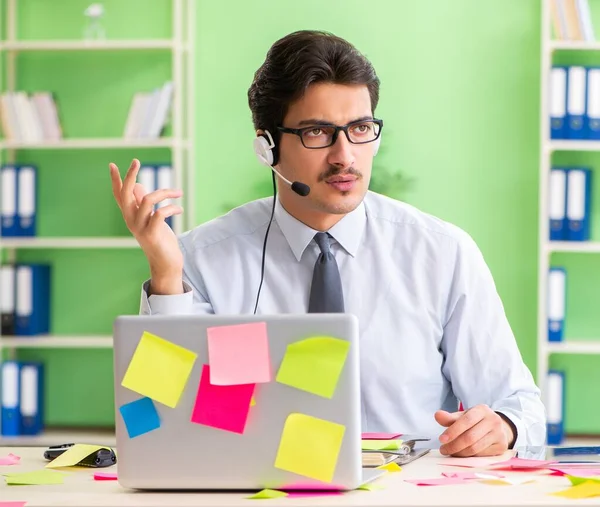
(310, 446)
(468, 462)
(159, 369)
(520, 463)
(314, 364)
(105, 476)
(381, 445)
(586, 489)
(140, 416)
(380, 436)
(74, 455)
(34, 478)
(10, 459)
(267, 494)
(222, 407)
(239, 354)
(437, 481)
(390, 467)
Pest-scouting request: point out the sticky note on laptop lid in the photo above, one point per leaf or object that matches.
(381, 445)
(314, 364)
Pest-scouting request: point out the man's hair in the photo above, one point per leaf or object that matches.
(294, 63)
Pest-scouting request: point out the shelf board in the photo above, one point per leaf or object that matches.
(574, 347)
(83, 45)
(573, 145)
(68, 242)
(57, 342)
(573, 246)
(60, 436)
(568, 45)
(90, 143)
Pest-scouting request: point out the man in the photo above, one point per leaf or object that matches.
(432, 326)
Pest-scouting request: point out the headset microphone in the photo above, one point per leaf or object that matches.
(300, 188)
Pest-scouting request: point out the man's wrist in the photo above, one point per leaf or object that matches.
(510, 429)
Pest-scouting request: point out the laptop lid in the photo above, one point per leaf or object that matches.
(238, 402)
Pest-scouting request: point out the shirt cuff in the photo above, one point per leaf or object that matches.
(176, 304)
(521, 435)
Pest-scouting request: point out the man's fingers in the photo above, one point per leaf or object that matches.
(471, 438)
(446, 418)
(153, 198)
(163, 213)
(127, 197)
(466, 420)
(117, 184)
(139, 192)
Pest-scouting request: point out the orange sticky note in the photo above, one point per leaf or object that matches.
(310, 446)
(239, 354)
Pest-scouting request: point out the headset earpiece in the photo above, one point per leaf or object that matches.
(376, 145)
(263, 149)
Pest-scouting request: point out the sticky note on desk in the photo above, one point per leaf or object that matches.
(222, 407)
(34, 478)
(587, 489)
(310, 446)
(314, 364)
(267, 494)
(12, 504)
(239, 354)
(10, 459)
(159, 369)
(74, 455)
(381, 445)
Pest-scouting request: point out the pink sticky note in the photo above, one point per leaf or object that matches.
(307, 494)
(105, 476)
(11, 459)
(519, 463)
(307, 486)
(470, 475)
(578, 472)
(12, 504)
(438, 481)
(239, 354)
(222, 407)
(468, 462)
(380, 436)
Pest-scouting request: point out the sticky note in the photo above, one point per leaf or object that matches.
(105, 476)
(312, 494)
(468, 462)
(381, 445)
(159, 369)
(586, 489)
(239, 354)
(9, 459)
(370, 486)
(391, 467)
(436, 481)
(513, 481)
(314, 364)
(267, 494)
(12, 504)
(252, 401)
(310, 446)
(473, 475)
(140, 416)
(222, 407)
(34, 478)
(380, 436)
(520, 463)
(576, 480)
(73, 455)
(580, 472)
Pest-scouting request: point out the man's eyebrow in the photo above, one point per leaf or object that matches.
(315, 121)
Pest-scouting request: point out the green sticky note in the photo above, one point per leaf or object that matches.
(34, 478)
(370, 487)
(575, 480)
(267, 494)
(381, 445)
(314, 364)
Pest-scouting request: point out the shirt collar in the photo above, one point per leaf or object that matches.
(347, 232)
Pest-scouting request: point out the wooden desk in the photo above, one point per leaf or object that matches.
(80, 489)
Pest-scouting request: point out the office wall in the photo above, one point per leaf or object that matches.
(460, 100)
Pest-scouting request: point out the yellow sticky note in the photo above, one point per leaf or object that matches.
(267, 494)
(314, 364)
(391, 467)
(381, 445)
(159, 369)
(585, 489)
(310, 447)
(575, 480)
(74, 455)
(34, 478)
(252, 401)
(370, 487)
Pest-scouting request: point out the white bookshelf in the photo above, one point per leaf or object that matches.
(181, 47)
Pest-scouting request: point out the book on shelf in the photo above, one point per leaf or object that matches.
(149, 113)
(570, 203)
(22, 400)
(571, 20)
(30, 118)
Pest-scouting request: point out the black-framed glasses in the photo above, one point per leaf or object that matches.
(324, 135)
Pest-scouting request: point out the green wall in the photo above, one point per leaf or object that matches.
(460, 100)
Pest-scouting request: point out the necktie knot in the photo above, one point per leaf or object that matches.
(322, 239)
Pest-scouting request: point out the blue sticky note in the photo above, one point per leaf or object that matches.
(140, 416)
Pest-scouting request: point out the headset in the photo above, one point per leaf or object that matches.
(267, 154)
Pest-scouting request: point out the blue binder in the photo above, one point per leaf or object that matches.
(555, 403)
(593, 103)
(579, 201)
(10, 415)
(31, 399)
(577, 102)
(557, 209)
(27, 200)
(33, 299)
(557, 291)
(8, 204)
(559, 88)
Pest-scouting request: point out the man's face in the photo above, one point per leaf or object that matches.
(338, 176)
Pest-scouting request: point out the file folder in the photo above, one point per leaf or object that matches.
(576, 102)
(557, 284)
(579, 182)
(558, 102)
(11, 419)
(7, 299)
(555, 396)
(33, 299)
(557, 200)
(164, 179)
(8, 206)
(593, 103)
(31, 399)
(27, 200)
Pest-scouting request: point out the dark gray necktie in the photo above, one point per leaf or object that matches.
(326, 294)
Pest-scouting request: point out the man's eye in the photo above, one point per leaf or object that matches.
(313, 132)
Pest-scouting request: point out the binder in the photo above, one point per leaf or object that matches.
(555, 397)
(557, 285)
(31, 398)
(559, 85)
(27, 200)
(33, 299)
(7, 299)
(8, 205)
(557, 204)
(10, 414)
(164, 179)
(593, 103)
(579, 196)
(576, 102)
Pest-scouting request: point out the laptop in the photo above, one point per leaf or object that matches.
(183, 419)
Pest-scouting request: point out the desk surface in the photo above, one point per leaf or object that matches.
(80, 489)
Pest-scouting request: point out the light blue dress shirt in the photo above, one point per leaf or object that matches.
(432, 326)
